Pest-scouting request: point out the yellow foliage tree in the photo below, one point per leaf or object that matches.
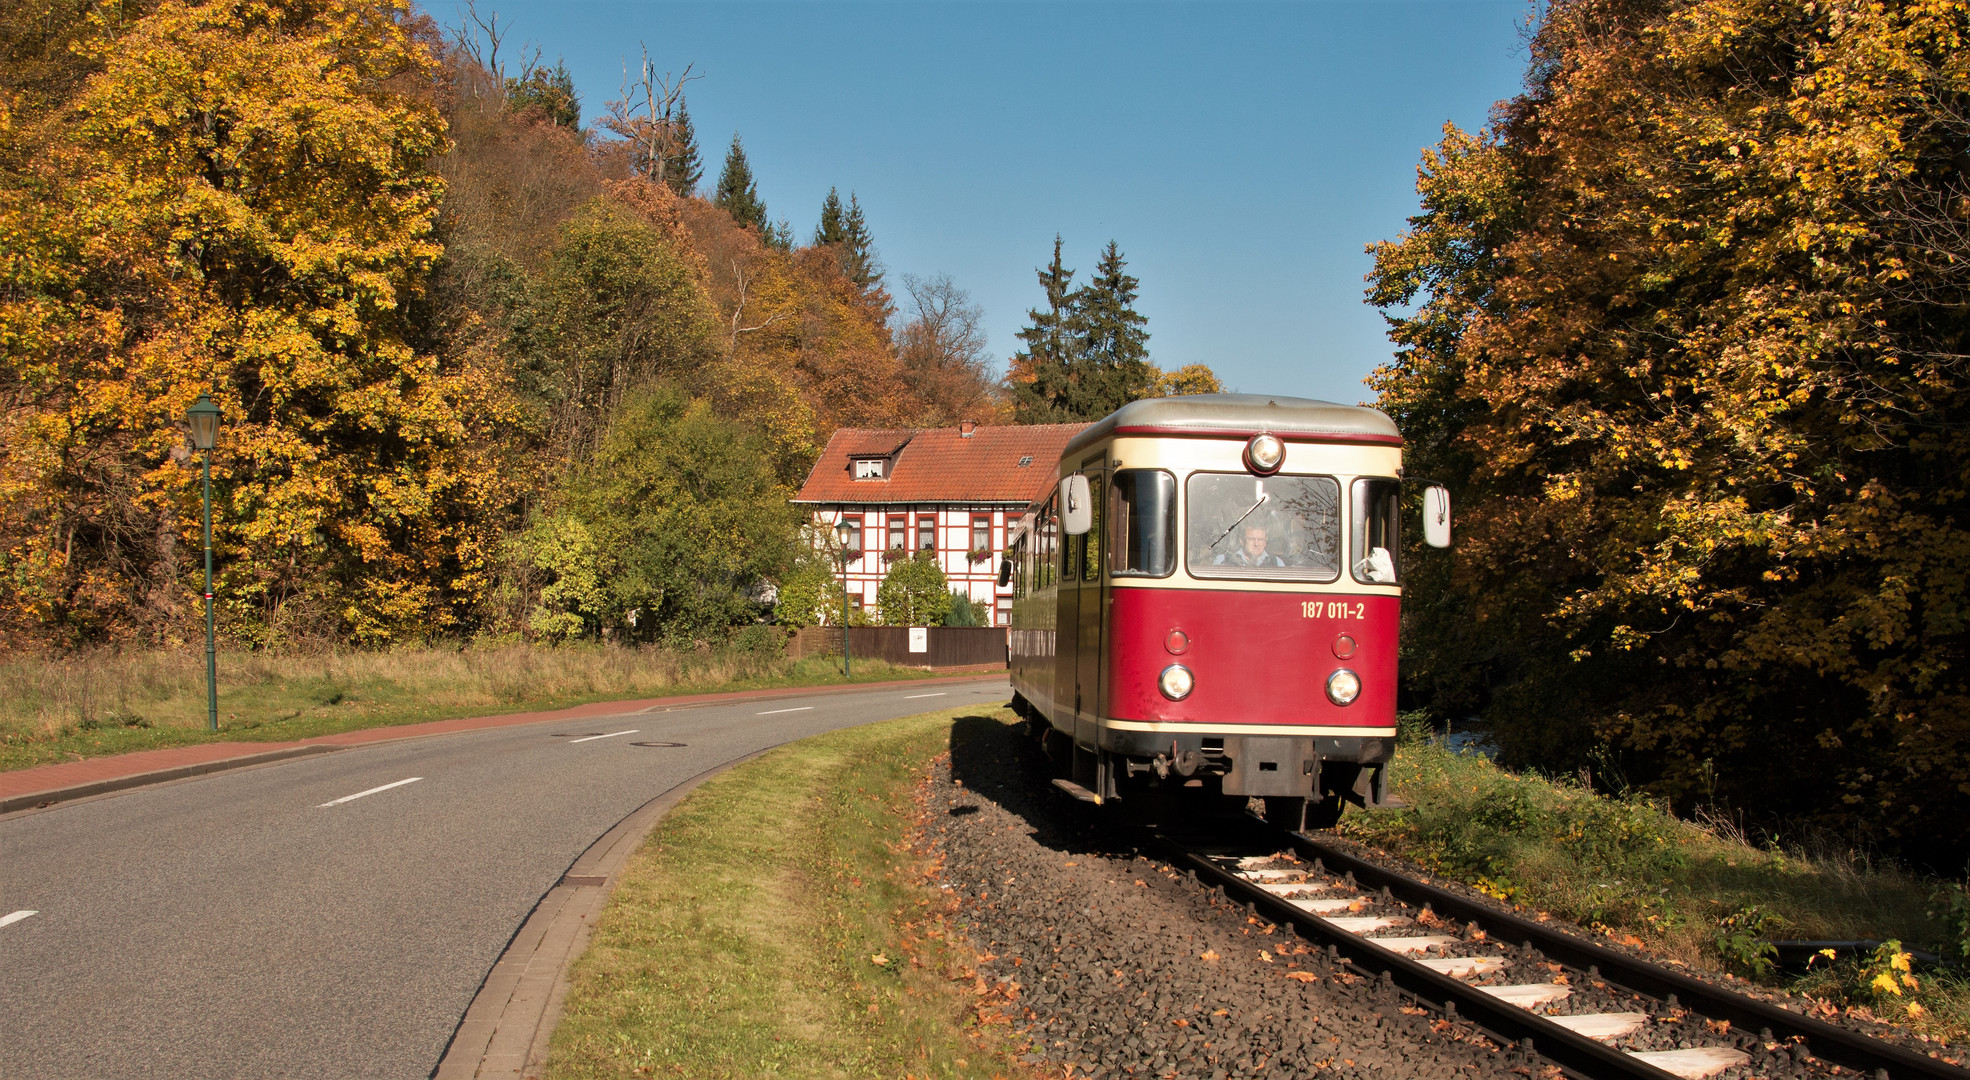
(1188, 379)
(236, 201)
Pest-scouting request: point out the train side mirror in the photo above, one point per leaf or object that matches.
(1076, 512)
(1005, 572)
(1436, 516)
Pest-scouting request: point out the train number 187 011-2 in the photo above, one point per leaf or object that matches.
(1331, 609)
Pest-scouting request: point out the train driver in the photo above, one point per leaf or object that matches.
(1251, 551)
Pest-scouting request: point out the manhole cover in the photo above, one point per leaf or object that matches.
(657, 744)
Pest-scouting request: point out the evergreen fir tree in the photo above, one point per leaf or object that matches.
(845, 232)
(1113, 350)
(1087, 353)
(738, 193)
(1041, 379)
(682, 167)
(779, 236)
(832, 229)
(858, 248)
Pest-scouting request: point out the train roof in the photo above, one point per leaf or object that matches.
(1242, 415)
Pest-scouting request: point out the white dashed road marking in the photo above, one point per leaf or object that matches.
(6, 920)
(610, 735)
(775, 712)
(372, 791)
(911, 697)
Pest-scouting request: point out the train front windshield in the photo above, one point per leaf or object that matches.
(1242, 527)
(1263, 528)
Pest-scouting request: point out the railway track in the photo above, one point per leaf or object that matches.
(1595, 1012)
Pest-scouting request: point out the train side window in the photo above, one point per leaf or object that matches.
(1142, 516)
(1091, 543)
(1270, 528)
(1049, 543)
(1373, 535)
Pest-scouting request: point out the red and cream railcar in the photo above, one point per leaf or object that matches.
(1208, 603)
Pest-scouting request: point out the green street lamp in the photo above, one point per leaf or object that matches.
(203, 419)
(842, 531)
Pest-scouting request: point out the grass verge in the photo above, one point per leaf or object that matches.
(91, 704)
(1700, 893)
(777, 924)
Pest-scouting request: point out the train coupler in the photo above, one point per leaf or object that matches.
(1271, 765)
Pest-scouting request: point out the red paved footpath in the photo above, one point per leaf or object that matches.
(43, 784)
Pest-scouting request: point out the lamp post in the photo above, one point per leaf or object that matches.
(203, 419)
(841, 533)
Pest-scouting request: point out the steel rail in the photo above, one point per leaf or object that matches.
(1576, 1054)
(1829, 1042)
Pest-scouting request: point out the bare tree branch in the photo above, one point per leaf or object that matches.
(646, 116)
(738, 309)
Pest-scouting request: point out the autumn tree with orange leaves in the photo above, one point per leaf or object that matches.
(1691, 344)
(434, 315)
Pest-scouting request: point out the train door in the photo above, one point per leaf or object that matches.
(1091, 613)
(1048, 564)
(1063, 708)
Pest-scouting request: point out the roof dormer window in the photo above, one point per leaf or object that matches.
(869, 468)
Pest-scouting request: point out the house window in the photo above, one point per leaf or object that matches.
(896, 540)
(868, 468)
(927, 532)
(981, 532)
(854, 544)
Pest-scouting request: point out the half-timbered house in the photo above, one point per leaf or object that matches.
(953, 491)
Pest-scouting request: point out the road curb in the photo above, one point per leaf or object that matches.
(34, 799)
(505, 1031)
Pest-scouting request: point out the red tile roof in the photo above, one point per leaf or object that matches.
(941, 465)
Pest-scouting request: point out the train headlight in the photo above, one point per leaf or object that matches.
(1176, 682)
(1265, 453)
(1343, 686)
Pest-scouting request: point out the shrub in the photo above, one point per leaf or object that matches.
(964, 611)
(809, 593)
(914, 592)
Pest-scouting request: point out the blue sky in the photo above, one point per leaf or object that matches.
(1242, 154)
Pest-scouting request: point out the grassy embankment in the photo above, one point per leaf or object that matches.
(1701, 894)
(82, 705)
(776, 923)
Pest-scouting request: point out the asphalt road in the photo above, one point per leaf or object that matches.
(234, 926)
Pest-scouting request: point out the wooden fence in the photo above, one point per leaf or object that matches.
(941, 646)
